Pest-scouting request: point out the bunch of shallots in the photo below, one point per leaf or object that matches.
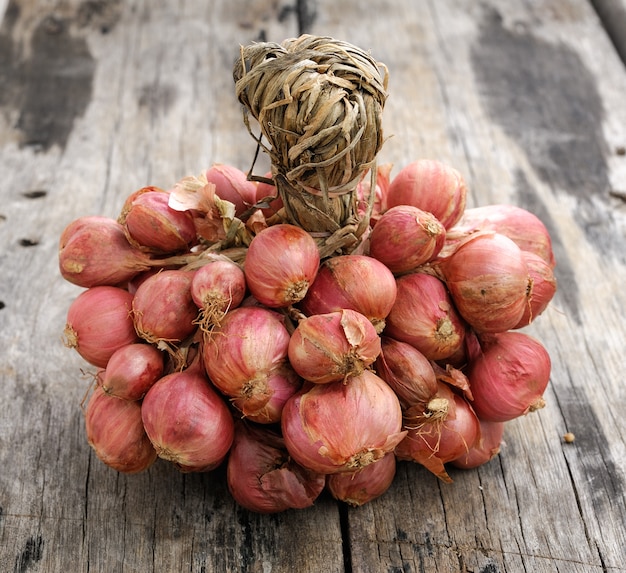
(221, 337)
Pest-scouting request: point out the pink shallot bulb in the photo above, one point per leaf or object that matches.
(425, 317)
(509, 376)
(431, 186)
(337, 427)
(115, 431)
(406, 237)
(364, 485)
(153, 225)
(261, 475)
(99, 323)
(246, 359)
(187, 421)
(330, 347)
(356, 282)
(281, 263)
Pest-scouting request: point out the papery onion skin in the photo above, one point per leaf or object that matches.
(431, 186)
(543, 287)
(94, 251)
(99, 323)
(424, 316)
(153, 225)
(337, 427)
(231, 184)
(115, 431)
(356, 282)
(281, 264)
(406, 237)
(407, 371)
(509, 377)
(188, 422)
(364, 485)
(163, 308)
(243, 355)
(440, 436)
(132, 370)
(524, 228)
(331, 347)
(486, 447)
(489, 282)
(263, 478)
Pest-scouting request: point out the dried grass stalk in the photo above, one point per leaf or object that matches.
(318, 102)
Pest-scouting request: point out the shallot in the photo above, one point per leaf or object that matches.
(489, 282)
(263, 478)
(356, 282)
(187, 421)
(431, 186)
(246, 359)
(337, 427)
(425, 317)
(132, 370)
(163, 309)
(446, 429)
(94, 251)
(115, 431)
(509, 376)
(153, 225)
(364, 485)
(406, 237)
(99, 323)
(281, 263)
(330, 347)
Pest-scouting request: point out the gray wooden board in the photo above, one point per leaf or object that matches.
(525, 99)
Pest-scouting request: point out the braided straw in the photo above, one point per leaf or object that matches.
(318, 102)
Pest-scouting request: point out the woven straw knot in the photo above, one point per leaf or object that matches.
(318, 102)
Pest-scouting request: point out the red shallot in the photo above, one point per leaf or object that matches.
(281, 264)
(357, 282)
(362, 486)
(216, 288)
(486, 447)
(330, 347)
(132, 370)
(231, 184)
(431, 186)
(337, 427)
(542, 287)
(442, 432)
(115, 431)
(407, 371)
(406, 237)
(489, 281)
(524, 228)
(94, 251)
(163, 309)
(99, 323)
(508, 378)
(246, 359)
(425, 317)
(153, 225)
(187, 421)
(263, 478)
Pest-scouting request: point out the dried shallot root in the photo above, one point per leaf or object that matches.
(310, 329)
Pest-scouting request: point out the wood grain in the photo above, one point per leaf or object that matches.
(525, 99)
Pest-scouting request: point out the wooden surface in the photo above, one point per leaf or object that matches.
(526, 99)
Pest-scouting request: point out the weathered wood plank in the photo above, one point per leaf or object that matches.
(513, 95)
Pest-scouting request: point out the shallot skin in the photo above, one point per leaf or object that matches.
(187, 421)
(263, 478)
(281, 264)
(115, 431)
(338, 427)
